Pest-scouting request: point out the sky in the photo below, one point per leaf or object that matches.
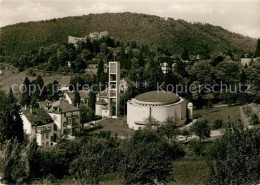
(237, 16)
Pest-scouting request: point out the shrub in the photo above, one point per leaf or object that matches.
(196, 147)
(254, 120)
(247, 110)
(147, 159)
(218, 123)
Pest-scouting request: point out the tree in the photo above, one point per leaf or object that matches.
(100, 70)
(11, 165)
(11, 124)
(202, 72)
(14, 118)
(168, 129)
(228, 72)
(86, 115)
(18, 162)
(26, 96)
(92, 100)
(185, 54)
(141, 61)
(40, 91)
(147, 159)
(201, 129)
(76, 101)
(218, 123)
(234, 159)
(254, 120)
(257, 51)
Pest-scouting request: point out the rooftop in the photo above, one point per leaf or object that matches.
(158, 96)
(62, 106)
(37, 116)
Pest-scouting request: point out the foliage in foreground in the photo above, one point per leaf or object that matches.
(145, 158)
(235, 159)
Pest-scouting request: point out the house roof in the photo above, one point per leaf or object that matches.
(62, 106)
(103, 93)
(84, 94)
(158, 96)
(45, 103)
(37, 116)
(101, 102)
(245, 61)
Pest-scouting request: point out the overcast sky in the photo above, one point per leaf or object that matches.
(239, 16)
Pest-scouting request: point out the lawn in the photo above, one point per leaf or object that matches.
(116, 126)
(224, 113)
(190, 172)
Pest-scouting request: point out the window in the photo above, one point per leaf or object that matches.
(55, 127)
(47, 136)
(47, 143)
(65, 124)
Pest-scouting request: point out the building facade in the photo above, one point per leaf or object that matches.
(38, 124)
(155, 105)
(66, 118)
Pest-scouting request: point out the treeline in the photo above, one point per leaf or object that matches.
(149, 30)
(144, 158)
(148, 157)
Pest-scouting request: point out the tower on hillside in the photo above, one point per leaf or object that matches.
(114, 89)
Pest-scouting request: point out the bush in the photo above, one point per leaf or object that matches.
(147, 159)
(196, 147)
(254, 120)
(218, 123)
(247, 110)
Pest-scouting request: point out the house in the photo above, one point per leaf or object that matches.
(38, 124)
(84, 97)
(246, 61)
(75, 40)
(165, 67)
(102, 103)
(92, 68)
(66, 118)
(98, 35)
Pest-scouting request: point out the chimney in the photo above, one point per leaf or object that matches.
(77, 105)
(25, 107)
(31, 110)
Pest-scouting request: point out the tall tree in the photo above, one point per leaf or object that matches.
(100, 70)
(92, 100)
(201, 129)
(185, 54)
(11, 124)
(141, 60)
(40, 92)
(26, 96)
(76, 101)
(257, 51)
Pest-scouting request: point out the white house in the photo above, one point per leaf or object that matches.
(84, 97)
(66, 118)
(38, 124)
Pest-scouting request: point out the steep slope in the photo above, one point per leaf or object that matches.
(144, 29)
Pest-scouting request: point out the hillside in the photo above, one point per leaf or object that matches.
(144, 29)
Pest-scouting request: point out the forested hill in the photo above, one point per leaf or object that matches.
(144, 29)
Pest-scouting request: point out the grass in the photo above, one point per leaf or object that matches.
(190, 172)
(224, 113)
(116, 126)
